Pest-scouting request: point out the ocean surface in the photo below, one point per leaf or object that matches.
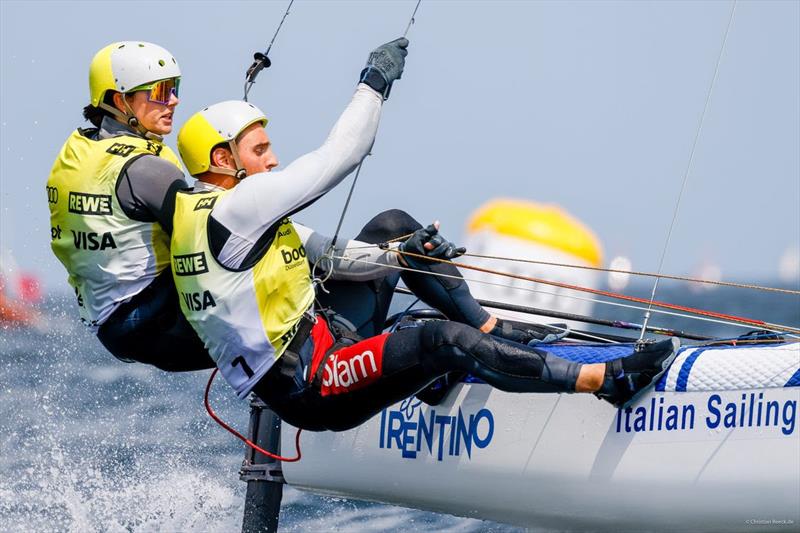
(92, 444)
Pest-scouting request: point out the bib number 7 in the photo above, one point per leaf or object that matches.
(240, 361)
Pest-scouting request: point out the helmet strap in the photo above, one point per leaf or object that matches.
(239, 173)
(130, 119)
(226, 171)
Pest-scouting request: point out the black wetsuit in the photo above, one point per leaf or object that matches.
(377, 370)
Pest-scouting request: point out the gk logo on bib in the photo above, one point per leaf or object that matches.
(190, 264)
(353, 367)
(82, 203)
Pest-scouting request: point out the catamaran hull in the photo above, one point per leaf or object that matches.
(715, 447)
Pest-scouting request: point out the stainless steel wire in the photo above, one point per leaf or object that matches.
(688, 169)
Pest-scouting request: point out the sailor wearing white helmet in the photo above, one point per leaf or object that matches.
(243, 270)
(111, 194)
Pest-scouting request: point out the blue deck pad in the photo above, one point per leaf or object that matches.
(589, 353)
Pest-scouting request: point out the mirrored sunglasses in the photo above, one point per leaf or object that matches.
(160, 92)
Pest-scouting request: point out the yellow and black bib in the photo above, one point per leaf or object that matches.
(247, 317)
(108, 256)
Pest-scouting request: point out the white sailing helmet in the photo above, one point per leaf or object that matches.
(214, 125)
(125, 66)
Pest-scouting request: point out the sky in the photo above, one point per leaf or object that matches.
(592, 106)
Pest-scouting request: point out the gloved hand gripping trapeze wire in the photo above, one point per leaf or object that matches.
(429, 242)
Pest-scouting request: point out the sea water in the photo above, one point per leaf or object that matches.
(92, 444)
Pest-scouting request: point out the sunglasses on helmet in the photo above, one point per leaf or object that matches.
(160, 92)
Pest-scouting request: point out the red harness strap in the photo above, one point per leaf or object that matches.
(339, 368)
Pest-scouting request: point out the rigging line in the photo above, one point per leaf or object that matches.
(583, 333)
(765, 338)
(596, 269)
(689, 165)
(382, 245)
(599, 292)
(639, 273)
(618, 324)
(346, 204)
(262, 60)
(286, 14)
(562, 315)
(590, 320)
(327, 257)
(777, 329)
(412, 21)
(572, 333)
(325, 261)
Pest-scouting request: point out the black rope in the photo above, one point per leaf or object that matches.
(326, 261)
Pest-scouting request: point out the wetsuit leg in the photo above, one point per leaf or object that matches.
(441, 286)
(366, 305)
(377, 372)
(151, 329)
(447, 291)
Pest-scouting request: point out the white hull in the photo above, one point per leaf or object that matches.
(573, 462)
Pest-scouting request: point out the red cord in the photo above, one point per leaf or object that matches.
(241, 437)
(599, 292)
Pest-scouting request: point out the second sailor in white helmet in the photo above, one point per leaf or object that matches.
(111, 194)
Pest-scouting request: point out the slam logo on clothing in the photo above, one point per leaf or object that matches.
(353, 367)
(205, 203)
(82, 203)
(190, 264)
(416, 432)
(348, 372)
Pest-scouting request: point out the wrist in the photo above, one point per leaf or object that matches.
(375, 79)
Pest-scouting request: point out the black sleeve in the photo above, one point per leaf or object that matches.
(146, 189)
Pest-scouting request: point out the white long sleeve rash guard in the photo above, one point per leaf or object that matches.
(244, 216)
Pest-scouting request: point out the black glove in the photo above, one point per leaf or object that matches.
(444, 249)
(385, 65)
(438, 247)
